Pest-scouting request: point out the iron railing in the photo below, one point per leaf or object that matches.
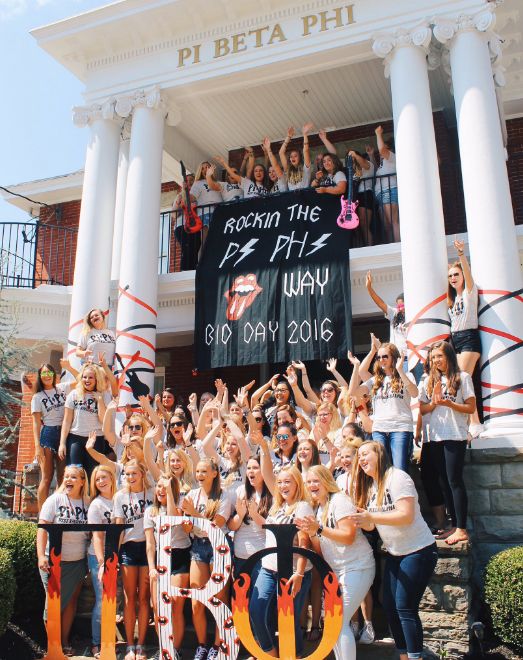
(33, 253)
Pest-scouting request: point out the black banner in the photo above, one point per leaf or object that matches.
(273, 282)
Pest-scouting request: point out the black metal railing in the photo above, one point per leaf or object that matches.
(34, 253)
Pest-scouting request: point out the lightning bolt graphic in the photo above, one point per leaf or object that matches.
(319, 243)
(246, 250)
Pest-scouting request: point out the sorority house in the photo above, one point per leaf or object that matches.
(167, 81)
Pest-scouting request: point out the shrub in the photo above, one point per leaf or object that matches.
(19, 538)
(504, 595)
(7, 588)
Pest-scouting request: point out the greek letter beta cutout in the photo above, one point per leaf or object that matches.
(53, 623)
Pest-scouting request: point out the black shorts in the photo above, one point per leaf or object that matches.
(365, 199)
(180, 560)
(466, 341)
(133, 553)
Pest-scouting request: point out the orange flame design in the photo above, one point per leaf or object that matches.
(110, 575)
(108, 622)
(55, 573)
(332, 595)
(54, 615)
(333, 617)
(286, 616)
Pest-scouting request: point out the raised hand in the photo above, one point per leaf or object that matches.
(322, 134)
(375, 342)
(368, 280)
(353, 359)
(241, 507)
(91, 440)
(219, 385)
(331, 364)
(152, 433)
(266, 144)
(297, 364)
(290, 132)
(274, 381)
(187, 434)
(112, 405)
(291, 377)
(307, 127)
(220, 160)
(210, 170)
(193, 401)
(459, 245)
(379, 130)
(399, 362)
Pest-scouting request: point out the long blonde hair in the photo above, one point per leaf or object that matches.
(112, 478)
(175, 489)
(84, 494)
(145, 481)
(100, 379)
(187, 477)
(301, 493)
(87, 325)
(213, 498)
(379, 373)
(362, 483)
(327, 481)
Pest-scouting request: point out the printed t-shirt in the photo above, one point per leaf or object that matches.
(131, 507)
(280, 517)
(445, 423)
(464, 312)
(51, 403)
(85, 412)
(400, 540)
(60, 509)
(391, 409)
(99, 341)
(100, 513)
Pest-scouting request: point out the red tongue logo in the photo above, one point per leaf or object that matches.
(241, 295)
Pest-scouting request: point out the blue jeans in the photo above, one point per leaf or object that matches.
(262, 609)
(405, 578)
(96, 615)
(398, 445)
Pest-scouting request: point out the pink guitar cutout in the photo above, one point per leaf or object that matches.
(348, 218)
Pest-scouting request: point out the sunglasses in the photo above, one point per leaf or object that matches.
(47, 373)
(282, 436)
(173, 424)
(280, 391)
(135, 427)
(383, 357)
(324, 414)
(258, 419)
(327, 389)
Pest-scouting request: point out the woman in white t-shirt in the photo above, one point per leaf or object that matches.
(276, 178)
(167, 502)
(47, 411)
(84, 413)
(254, 183)
(343, 546)
(462, 301)
(330, 179)
(297, 168)
(386, 188)
(207, 501)
(290, 502)
(203, 193)
(387, 500)
(129, 507)
(66, 506)
(103, 488)
(391, 390)
(230, 189)
(395, 316)
(96, 338)
(448, 396)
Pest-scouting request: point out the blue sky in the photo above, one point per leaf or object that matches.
(37, 138)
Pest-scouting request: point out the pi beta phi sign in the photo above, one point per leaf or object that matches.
(273, 282)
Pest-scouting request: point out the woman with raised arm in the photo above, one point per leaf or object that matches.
(282, 393)
(166, 502)
(84, 413)
(210, 502)
(297, 168)
(325, 430)
(386, 187)
(364, 171)
(277, 182)
(448, 395)
(346, 550)
(252, 187)
(287, 444)
(462, 301)
(47, 411)
(103, 488)
(290, 503)
(96, 338)
(66, 506)
(332, 180)
(386, 500)
(203, 193)
(129, 508)
(395, 315)
(391, 390)
(229, 189)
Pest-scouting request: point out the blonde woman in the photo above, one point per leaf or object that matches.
(103, 488)
(67, 505)
(325, 430)
(96, 339)
(297, 167)
(346, 550)
(290, 503)
(387, 500)
(84, 413)
(167, 501)
(129, 507)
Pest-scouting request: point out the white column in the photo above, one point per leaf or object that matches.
(423, 247)
(121, 188)
(490, 221)
(92, 271)
(138, 287)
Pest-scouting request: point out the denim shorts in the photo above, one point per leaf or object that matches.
(180, 560)
(466, 341)
(133, 553)
(50, 437)
(201, 550)
(389, 196)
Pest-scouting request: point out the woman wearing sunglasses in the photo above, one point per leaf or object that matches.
(287, 444)
(47, 411)
(391, 391)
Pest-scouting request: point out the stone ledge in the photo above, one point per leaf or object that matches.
(453, 569)
(507, 501)
(499, 528)
(495, 455)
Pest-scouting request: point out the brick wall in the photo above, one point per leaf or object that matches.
(515, 166)
(56, 243)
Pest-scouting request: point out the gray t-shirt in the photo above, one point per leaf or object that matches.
(230, 191)
(85, 412)
(398, 333)
(391, 410)
(99, 341)
(51, 404)
(281, 517)
(179, 539)
(305, 182)
(60, 509)
(204, 195)
(100, 513)
(464, 312)
(249, 537)
(279, 186)
(445, 423)
(199, 498)
(252, 189)
(131, 507)
(341, 557)
(400, 540)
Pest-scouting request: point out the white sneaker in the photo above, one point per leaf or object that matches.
(367, 633)
(355, 627)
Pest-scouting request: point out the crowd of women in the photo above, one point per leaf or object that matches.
(375, 184)
(333, 460)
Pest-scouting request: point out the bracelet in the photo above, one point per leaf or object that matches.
(460, 254)
(313, 536)
(300, 574)
(320, 530)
